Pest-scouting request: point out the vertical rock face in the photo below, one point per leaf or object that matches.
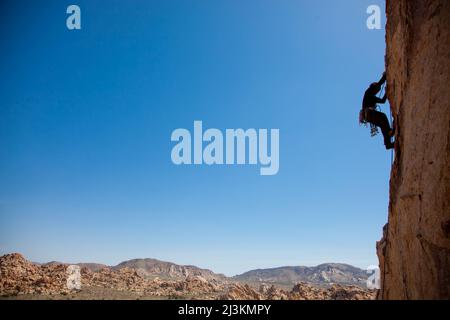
(414, 252)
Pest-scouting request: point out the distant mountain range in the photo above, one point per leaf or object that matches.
(162, 269)
(323, 274)
(320, 275)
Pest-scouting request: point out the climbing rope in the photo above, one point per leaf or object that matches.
(391, 121)
(392, 126)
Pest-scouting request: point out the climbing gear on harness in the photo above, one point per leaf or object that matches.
(363, 121)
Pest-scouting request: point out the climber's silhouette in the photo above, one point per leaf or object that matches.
(371, 115)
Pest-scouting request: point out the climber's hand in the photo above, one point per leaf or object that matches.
(384, 74)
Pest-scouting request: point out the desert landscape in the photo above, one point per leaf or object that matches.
(149, 279)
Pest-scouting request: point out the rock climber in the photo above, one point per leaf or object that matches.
(369, 113)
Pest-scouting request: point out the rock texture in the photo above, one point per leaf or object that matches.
(414, 252)
(19, 276)
(301, 291)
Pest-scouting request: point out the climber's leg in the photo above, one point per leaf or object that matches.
(380, 120)
(385, 128)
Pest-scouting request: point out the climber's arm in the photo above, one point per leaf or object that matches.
(381, 100)
(383, 79)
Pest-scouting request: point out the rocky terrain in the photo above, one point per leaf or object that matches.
(22, 279)
(321, 275)
(301, 291)
(414, 252)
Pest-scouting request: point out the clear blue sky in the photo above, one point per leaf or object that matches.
(86, 118)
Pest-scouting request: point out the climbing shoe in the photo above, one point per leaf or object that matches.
(389, 146)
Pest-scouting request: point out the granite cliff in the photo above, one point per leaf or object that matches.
(414, 253)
